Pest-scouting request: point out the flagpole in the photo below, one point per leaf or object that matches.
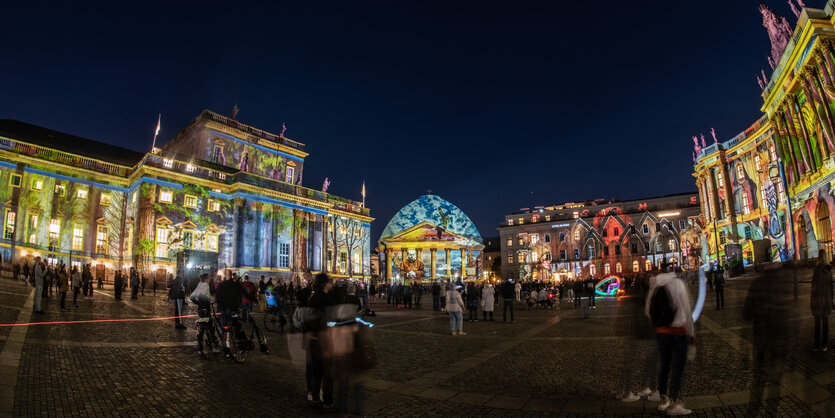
(363, 194)
(156, 132)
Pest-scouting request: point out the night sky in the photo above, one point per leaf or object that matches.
(495, 106)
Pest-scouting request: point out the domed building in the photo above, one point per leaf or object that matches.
(430, 238)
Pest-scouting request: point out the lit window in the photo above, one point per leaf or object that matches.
(221, 176)
(576, 214)
(357, 263)
(740, 172)
(658, 246)
(37, 184)
(214, 206)
(773, 152)
(534, 257)
(105, 199)
(746, 209)
(534, 218)
(77, 236)
(284, 255)
(510, 222)
(167, 163)
(618, 268)
(101, 239)
(521, 241)
(648, 265)
(534, 239)
(133, 197)
(547, 218)
(162, 242)
(521, 221)
(189, 168)
(591, 251)
(636, 266)
(165, 196)
(54, 229)
(60, 189)
(288, 178)
(757, 162)
(720, 180)
(592, 269)
(672, 244)
(510, 258)
(8, 225)
(645, 229)
(189, 201)
(32, 229)
(509, 241)
(763, 199)
(577, 234)
(343, 262)
(81, 194)
(14, 180)
(188, 239)
(211, 242)
(781, 192)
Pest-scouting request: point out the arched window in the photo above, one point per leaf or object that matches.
(606, 268)
(635, 266)
(648, 265)
(746, 208)
(618, 268)
(592, 270)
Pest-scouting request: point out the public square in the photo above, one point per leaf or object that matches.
(546, 363)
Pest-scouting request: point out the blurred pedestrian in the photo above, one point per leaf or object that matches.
(639, 346)
(821, 301)
(455, 308)
(509, 295)
(134, 284)
(178, 296)
(487, 301)
(117, 285)
(40, 272)
(719, 285)
(76, 285)
(63, 287)
(143, 281)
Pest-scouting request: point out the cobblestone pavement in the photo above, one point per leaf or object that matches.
(546, 363)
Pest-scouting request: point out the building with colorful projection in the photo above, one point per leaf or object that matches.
(599, 238)
(784, 162)
(219, 196)
(430, 238)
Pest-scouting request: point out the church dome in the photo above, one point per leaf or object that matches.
(425, 209)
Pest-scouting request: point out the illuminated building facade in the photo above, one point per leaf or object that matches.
(597, 238)
(785, 159)
(224, 193)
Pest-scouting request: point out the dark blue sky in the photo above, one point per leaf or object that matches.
(493, 105)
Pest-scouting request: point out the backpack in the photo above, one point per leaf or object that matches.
(661, 310)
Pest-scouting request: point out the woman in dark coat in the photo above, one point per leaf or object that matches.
(117, 285)
(821, 301)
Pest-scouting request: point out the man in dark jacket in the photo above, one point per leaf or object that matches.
(719, 285)
(508, 294)
(228, 297)
(436, 296)
(178, 296)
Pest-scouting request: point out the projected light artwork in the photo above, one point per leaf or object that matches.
(608, 287)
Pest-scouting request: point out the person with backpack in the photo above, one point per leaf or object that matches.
(247, 298)
(668, 308)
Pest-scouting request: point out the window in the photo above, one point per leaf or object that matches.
(188, 239)
(720, 181)
(167, 163)
(577, 234)
(747, 232)
(535, 219)
(32, 228)
(133, 197)
(648, 265)
(763, 199)
(740, 172)
(746, 208)
(592, 270)
(54, 230)
(576, 214)
(217, 151)
(211, 242)
(618, 268)
(646, 246)
(617, 249)
(37, 184)
(606, 269)
(617, 231)
(548, 237)
(657, 227)
(547, 218)
(772, 151)
(510, 258)
(284, 254)
(521, 241)
(162, 242)
(634, 248)
(14, 180)
(722, 236)
(576, 253)
(534, 239)
(510, 222)
(60, 189)
(356, 263)
(605, 233)
(190, 201)
(81, 194)
(8, 225)
(214, 206)
(521, 221)
(605, 251)
(101, 239)
(221, 176)
(658, 246)
(591, 251)
(757, 162)
(190, 168)
(562, 254)
(288, 178)
(165, 196)
(672, 244)
(534, 257)
(105, 199)
(77, 236)
(343, 262)
(780, 192)
(636, 267)
(562, 236)
(509, 241)
(645, 229)
(681, 224)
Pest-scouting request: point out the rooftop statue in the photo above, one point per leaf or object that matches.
(713, 133)
(795, 10)
(765, 78)
(283, 129)
(696, 145)
(704, 144)
(760, 82)
(771, 63)
(779, 32)
(325, 185)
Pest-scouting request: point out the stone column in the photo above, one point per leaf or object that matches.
(389, 253)
(463, 264)
(432, 269)
(448, 262)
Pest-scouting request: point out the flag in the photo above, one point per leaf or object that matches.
(159, 119)
(363, 194)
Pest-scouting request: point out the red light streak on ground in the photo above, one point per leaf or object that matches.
(91, 321)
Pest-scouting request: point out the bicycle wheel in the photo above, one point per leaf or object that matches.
(205, 341)
(272, 322)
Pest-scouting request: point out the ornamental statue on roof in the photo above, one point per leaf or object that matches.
(779, 31)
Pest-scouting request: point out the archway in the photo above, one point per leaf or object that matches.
(824, 227)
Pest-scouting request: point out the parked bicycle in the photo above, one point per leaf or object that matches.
(240, 342)
(208, 331)
(276, 312)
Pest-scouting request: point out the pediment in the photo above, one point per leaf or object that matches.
(164, 221)
(424, 231)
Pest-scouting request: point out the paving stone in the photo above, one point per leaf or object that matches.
(506, 402)
(543, 405)
(438, 394)
(471, 398)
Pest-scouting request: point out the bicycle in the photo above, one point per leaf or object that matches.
(208, 331)
(237, 340)
(275, 315)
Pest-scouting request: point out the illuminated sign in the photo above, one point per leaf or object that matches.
(642, 206)
(666, 214)
(560, 225)
(694, 200)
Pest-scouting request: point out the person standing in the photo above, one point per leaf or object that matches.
(436, 296)
(455, 308)
(48, 279)
(87, 277)
(719, 285)
(821, 301)
(590, 289)
(673, 320)
(472, 302)
(444, 289)
(518, 288)
(40, 272)
(487, 301)
(508, 294)
(134, 284)
(143, 281)
(178, 295)
(63, 287)
(372, 294)
(117, 285)
(76, 285)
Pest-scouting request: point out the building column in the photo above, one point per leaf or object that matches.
(402, 254)
(432, 269)
(448, 262)
(463, 264)
(389, 253)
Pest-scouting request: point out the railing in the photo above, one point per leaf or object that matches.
(254, 131)
(63, 158)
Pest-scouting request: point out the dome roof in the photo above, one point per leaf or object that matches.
(425, 208)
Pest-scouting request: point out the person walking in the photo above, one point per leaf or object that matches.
(154, 286)
(508, 294)
(821, 301)
(487, 301)
(590, 290)
(117, 285)
(87, 277)
(40, 272)
(668, 308)
(719, 285)
(143, 281)
(436, 296)
(518, 288)
(472, 302)
(134, 284)
(444, 289)
(76, 285)
(48, 279)
(63, 287)
(178, 295)
(455, 308)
